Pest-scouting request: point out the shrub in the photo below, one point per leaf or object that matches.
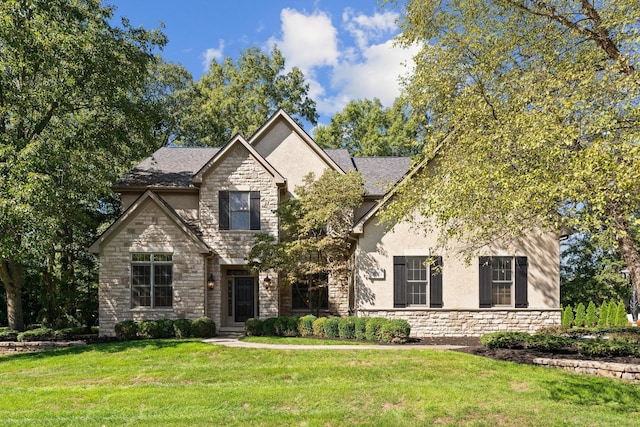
(182, 328)
(567, 317)
(605, 348)
(504, 339)
(603, 314)
(7, 334)
(148, 329)
(253, 327)
(164, 328)
(318, 326)
(305, 325)
(611, 313)
(332, 327)
(203, 327)
(590, 318)
(70, 333)
(621, 315)
(395, 331)
(347, 328)
(372, 330)
(269, 327)
(545, 342)
(286, 326)
(126, 330)
(361, 328)
(580, 315)
(292, 327)
(38, 334)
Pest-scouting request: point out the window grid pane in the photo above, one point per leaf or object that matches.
(239, 210)
(502, 280)
(151, 280)
(416, 280)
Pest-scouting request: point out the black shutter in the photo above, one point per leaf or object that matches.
(485, 282)
(254, 210)
(521, 282)
(399, 282)
(435, 283)
(223, 212)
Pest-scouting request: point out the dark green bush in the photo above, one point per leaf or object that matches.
(372, 330)
(318, 326)
(70, 333)
(606, 348)
(292, 327)
(127, 330)
(148, 329)
(361, 328)
(38, 334)
(253, 327)
(7, 334)
(164, 328)
(545, 342)
(331, 327)
(182, 328)
(504, 339)
(347, 328)
(305, 325)
(591, 319)
(395, 331)
(269, 327)
(286, 326)
(203, 327)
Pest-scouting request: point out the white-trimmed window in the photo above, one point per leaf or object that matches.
(416, 280)
(152, 280)
(239, 210)
(501, 281)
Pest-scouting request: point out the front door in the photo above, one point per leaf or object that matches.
(244, 293)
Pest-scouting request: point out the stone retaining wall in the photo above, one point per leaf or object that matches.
(604, 369)
(11, 347)
(469, 323)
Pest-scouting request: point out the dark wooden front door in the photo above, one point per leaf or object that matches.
(244, 294)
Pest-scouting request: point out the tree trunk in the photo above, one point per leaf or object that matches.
(627, 246)
(11, 277)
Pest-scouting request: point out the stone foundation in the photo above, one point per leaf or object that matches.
(604, 369)
(469, 323)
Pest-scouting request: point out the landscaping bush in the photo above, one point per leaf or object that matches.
(332, 327)
(203, 327)
(361, 328)
(7, 334)
(269, 327)
(148, 329)
(305, 325)
(182, 328)
(253, 327)
(546, 342)
(505, 339)
(567, 317)
(590, 318)
(611, 313)
(372, 330)
(126, 330)
(38, 334)
(292, 327)
(70, 333)
(286, 326)
(606, 348)
(318, 326)
(621, 315)
(164, 329)
(580, 315)
(347, 328)
(395, 331)
(603, 314)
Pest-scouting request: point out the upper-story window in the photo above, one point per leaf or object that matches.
(239, 210)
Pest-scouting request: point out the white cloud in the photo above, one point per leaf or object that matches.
(211, 54)
(365, 28)
(308, 41)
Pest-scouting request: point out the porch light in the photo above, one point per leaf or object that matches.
(267, 282)
(211, 283)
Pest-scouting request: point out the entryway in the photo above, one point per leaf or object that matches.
(244, 299)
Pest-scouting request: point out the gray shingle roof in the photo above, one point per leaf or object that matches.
(168, 167)
(175, 166)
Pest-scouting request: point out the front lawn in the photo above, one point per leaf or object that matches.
(190, 383)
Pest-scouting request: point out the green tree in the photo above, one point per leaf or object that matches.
(567, 317)
(238, 96)
(580, 315)
(533, 106)
(621, 314)
(316, 226)
(603, 314)
(367, 128)
(71, 116)
(612, 312)
(591, 319)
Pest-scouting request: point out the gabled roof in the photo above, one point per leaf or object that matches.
(342, 158)
(168, 167)
(235, 141)
(280, 115)
(96, 247)
(380, 173)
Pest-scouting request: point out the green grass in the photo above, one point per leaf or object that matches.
(304, 341)
(190, 383)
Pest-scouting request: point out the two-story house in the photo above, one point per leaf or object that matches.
(190, 216)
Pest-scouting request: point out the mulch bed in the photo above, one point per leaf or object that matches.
(524, 356)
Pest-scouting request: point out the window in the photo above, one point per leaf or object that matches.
(308, 296)
(503, 282)
(151, 280)
(239, 210)
(417, 281)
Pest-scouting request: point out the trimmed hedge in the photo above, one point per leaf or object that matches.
(332, 327)
(182, 328)
(361, 328)
(347, 328)
(318, 326)
(372, 329)
(126, 330)
(305, 325)
(203, 327)
(395, 331)
(253, 327)
(38, 334)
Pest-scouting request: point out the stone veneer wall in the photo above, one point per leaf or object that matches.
(151, 230)
(469, 323)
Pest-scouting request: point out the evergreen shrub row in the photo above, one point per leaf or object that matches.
(202, 327)
(608, 314)
(348, 328)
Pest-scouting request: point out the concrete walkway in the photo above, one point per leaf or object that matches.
(234, 341)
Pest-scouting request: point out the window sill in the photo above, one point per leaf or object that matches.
(151, 309)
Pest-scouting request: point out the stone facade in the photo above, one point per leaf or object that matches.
(469, 323)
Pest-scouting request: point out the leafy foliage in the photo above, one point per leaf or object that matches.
(567, 317)
(203, 327)
(591, 319)
(580, 315)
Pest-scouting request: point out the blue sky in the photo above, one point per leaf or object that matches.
(344, 48)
